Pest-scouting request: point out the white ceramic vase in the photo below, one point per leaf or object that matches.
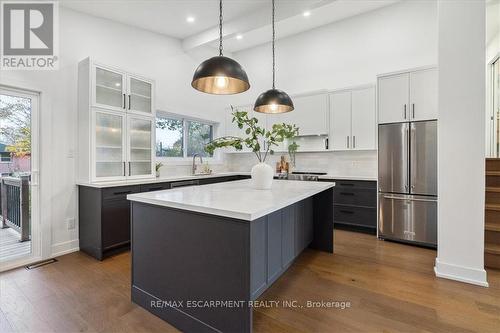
(262, 176)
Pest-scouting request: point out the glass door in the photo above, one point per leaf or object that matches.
(20, 230)
(109, 90)
(140, 152)
(109, 146)
(140, 96)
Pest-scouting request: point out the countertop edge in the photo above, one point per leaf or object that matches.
(228, 213)
(215, 175)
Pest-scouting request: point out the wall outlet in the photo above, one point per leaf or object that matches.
(71, 223)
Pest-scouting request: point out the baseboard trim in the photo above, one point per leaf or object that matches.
(461, 273)
(63, 248)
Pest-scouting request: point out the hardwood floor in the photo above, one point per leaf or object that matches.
(390, 287)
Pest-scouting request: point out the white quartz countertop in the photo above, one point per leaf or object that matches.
(214, 175)
(237, 199)
(160, 180)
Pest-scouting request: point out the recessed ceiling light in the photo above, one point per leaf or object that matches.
(190, 19)
(306, 13)
(238, 36)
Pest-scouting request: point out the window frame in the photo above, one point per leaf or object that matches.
(5, 161)
(186, 160)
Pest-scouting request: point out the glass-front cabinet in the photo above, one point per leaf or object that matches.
(116, 119)
(121, 91)
(140, 95)
(140, 147)
(109, 145)
(109, 89)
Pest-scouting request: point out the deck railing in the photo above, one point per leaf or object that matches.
(14, 205)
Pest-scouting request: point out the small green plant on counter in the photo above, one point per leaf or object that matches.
(158, 166)
(277, 134)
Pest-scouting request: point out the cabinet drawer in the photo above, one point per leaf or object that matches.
(355, 196)
(120, 192)
(355, 215)
(356, 183)
(155, 187)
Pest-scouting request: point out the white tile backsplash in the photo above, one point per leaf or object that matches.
(345, 164)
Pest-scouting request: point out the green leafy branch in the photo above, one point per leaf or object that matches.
(255, 134)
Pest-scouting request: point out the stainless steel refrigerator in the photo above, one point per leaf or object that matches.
(407, 181)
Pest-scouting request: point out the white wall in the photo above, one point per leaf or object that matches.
(461, 141)
(343, 54)
(151, 55)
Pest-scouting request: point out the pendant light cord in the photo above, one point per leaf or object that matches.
(220, 27)
(274, 50)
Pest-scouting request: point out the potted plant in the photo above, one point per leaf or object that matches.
(262, 173)
(158, 167)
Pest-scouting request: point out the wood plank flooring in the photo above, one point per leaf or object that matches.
(390, 287)
(10, 246)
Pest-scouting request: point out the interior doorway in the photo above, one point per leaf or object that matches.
(494, 109)
(19, 218)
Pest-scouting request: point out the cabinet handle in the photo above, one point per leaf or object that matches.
(129, 102)
(347, 211)
(345, 184)
(156, 188)
(129, 169)
(348, 141)
(353, 141)
(346, 193)
(413, 110)
(404, 111)
(124, 102)
(124, 174)
(122, 192)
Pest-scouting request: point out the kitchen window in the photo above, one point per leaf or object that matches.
(179, 137)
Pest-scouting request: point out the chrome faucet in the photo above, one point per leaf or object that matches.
(194, 162)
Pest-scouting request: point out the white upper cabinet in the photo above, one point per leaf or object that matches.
(393, 98)
(140, 95)
(120, 91)
(424, 95)
(108, 88)
(352, 119)
(363, 119)
(116, 120)
(310, 114)
(340, 120)
(140, 146)
(409, 96)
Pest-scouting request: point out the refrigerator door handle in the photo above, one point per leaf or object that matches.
(423, 200)
(394, 197)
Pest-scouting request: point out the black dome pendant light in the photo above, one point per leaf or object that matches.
(273, 100)
(220, 75)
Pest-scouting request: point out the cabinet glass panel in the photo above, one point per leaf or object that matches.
(140, 147)
(140, 96)
(108, 88)
(109, 145)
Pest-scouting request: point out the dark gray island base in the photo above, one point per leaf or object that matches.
(182, 260)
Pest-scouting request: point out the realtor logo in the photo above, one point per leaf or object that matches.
(29, 35)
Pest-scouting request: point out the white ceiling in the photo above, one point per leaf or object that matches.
(167, 17)
(250, 18)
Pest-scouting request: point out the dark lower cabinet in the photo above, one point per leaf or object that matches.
(104, 219)
(355, 205)
(104, 214)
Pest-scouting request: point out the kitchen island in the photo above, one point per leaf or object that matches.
(202, 254)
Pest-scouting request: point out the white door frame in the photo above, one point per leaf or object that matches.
(36, 229)
(490, 112)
